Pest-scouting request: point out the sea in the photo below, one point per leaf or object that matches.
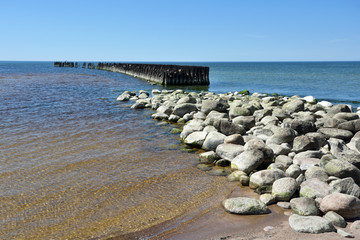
(77, 164)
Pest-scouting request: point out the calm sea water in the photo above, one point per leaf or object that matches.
(74, 163)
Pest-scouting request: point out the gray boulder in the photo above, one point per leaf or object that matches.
(338, 108)
(260, 145)
(212, 140)
(345, 185)
(235, 139)
(285, 160)
(246, 121)
(267, 198)
(284, 188)
(182, 109)
(282, 149)
(314, 188)
(196, 139)
(261, 113)
(347, 116)
(281, 135)
(304, 206)
(293, 171)
(187, 99)
(248, 160)
(336, 133)
(304, 143)
(353, 126)
(310, 224)
(229, 151)
(245, 206)
(335, 219)
(192, 126)
(294, 106)
(209, 105)
(235, 176)
(265, 178)
(342, 169)
(228, 128)
(316, 172)
(301, 126)
(345, 205)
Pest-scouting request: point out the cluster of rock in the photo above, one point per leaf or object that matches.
(296, 152)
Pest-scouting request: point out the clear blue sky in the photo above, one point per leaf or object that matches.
(173, 30)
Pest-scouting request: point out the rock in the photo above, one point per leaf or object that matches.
(160, 116)
(325, 104)
(182, 109)
(293, 171)
(209, 105)
(284, 205)
(304, 206)
(218, 171)
(196, 139)
(260, 114)
(223, 163)
(245, 206)
(303, 143)
(210, 128)
(353, 126)
(267, 198)
(268, 228)
(173, 118)
(336, 133)
(248, 160)
(338, 108)
(308, 154)
(302, 127)
(347, 116)
(345, 234)
(186, 99)
(265, 178)
(204, 167)
(260, 145)
(300, 179)
(213, 115)
(238, 111)
(330, 122)
(125, 96)
(310, 99)
(284, 188)
(188, 116)
(269, 120)
(313, 188)
(342, 169)
(282, 149)
(212, 140)
(285, 160)
(192, 126)
(305, 163)
(345, 185)
(276, 166)
(228, 128)
(229, 151)
(208, 157)
(235, 139)
(294, 106)
(335, 219)
(280, 114)
(316, 172)
(345, 205)
(246, 121)
(244, 180)
(281, 135)
(235, 176)
(355, 225)
(138, 105)
(310, 224)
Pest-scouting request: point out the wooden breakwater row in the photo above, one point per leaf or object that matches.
(159, 73)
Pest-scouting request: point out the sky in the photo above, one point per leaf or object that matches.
(186, 30)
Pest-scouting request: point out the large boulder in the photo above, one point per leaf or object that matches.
(229, 151)
(304, 143)
(310, 224)
(192, 126)
(294, 106)
(260, 145)
(335, 219)
(235, 139)
(238, 111)
(304, 206)
(246, 121)
(353, 126)
(245, 206)
(345, 205)
(301, 126)
(196, 139)
(182, 109)
(248, 160)
(228, 128)
(345, 185)
(284, 188)
(336, 133)
(342, 169)
(313, 188)
(316, 172)
(212, 140)
(281, 135)
(209, 105)
(265, 178)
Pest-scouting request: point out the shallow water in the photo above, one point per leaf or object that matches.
(76, 164)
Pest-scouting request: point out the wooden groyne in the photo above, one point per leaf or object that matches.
(159, 73)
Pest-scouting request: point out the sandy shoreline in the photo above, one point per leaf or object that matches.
(214, 223)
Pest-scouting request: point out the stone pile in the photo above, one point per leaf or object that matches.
(296, 152)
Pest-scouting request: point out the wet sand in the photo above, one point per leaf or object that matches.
(214, 223)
